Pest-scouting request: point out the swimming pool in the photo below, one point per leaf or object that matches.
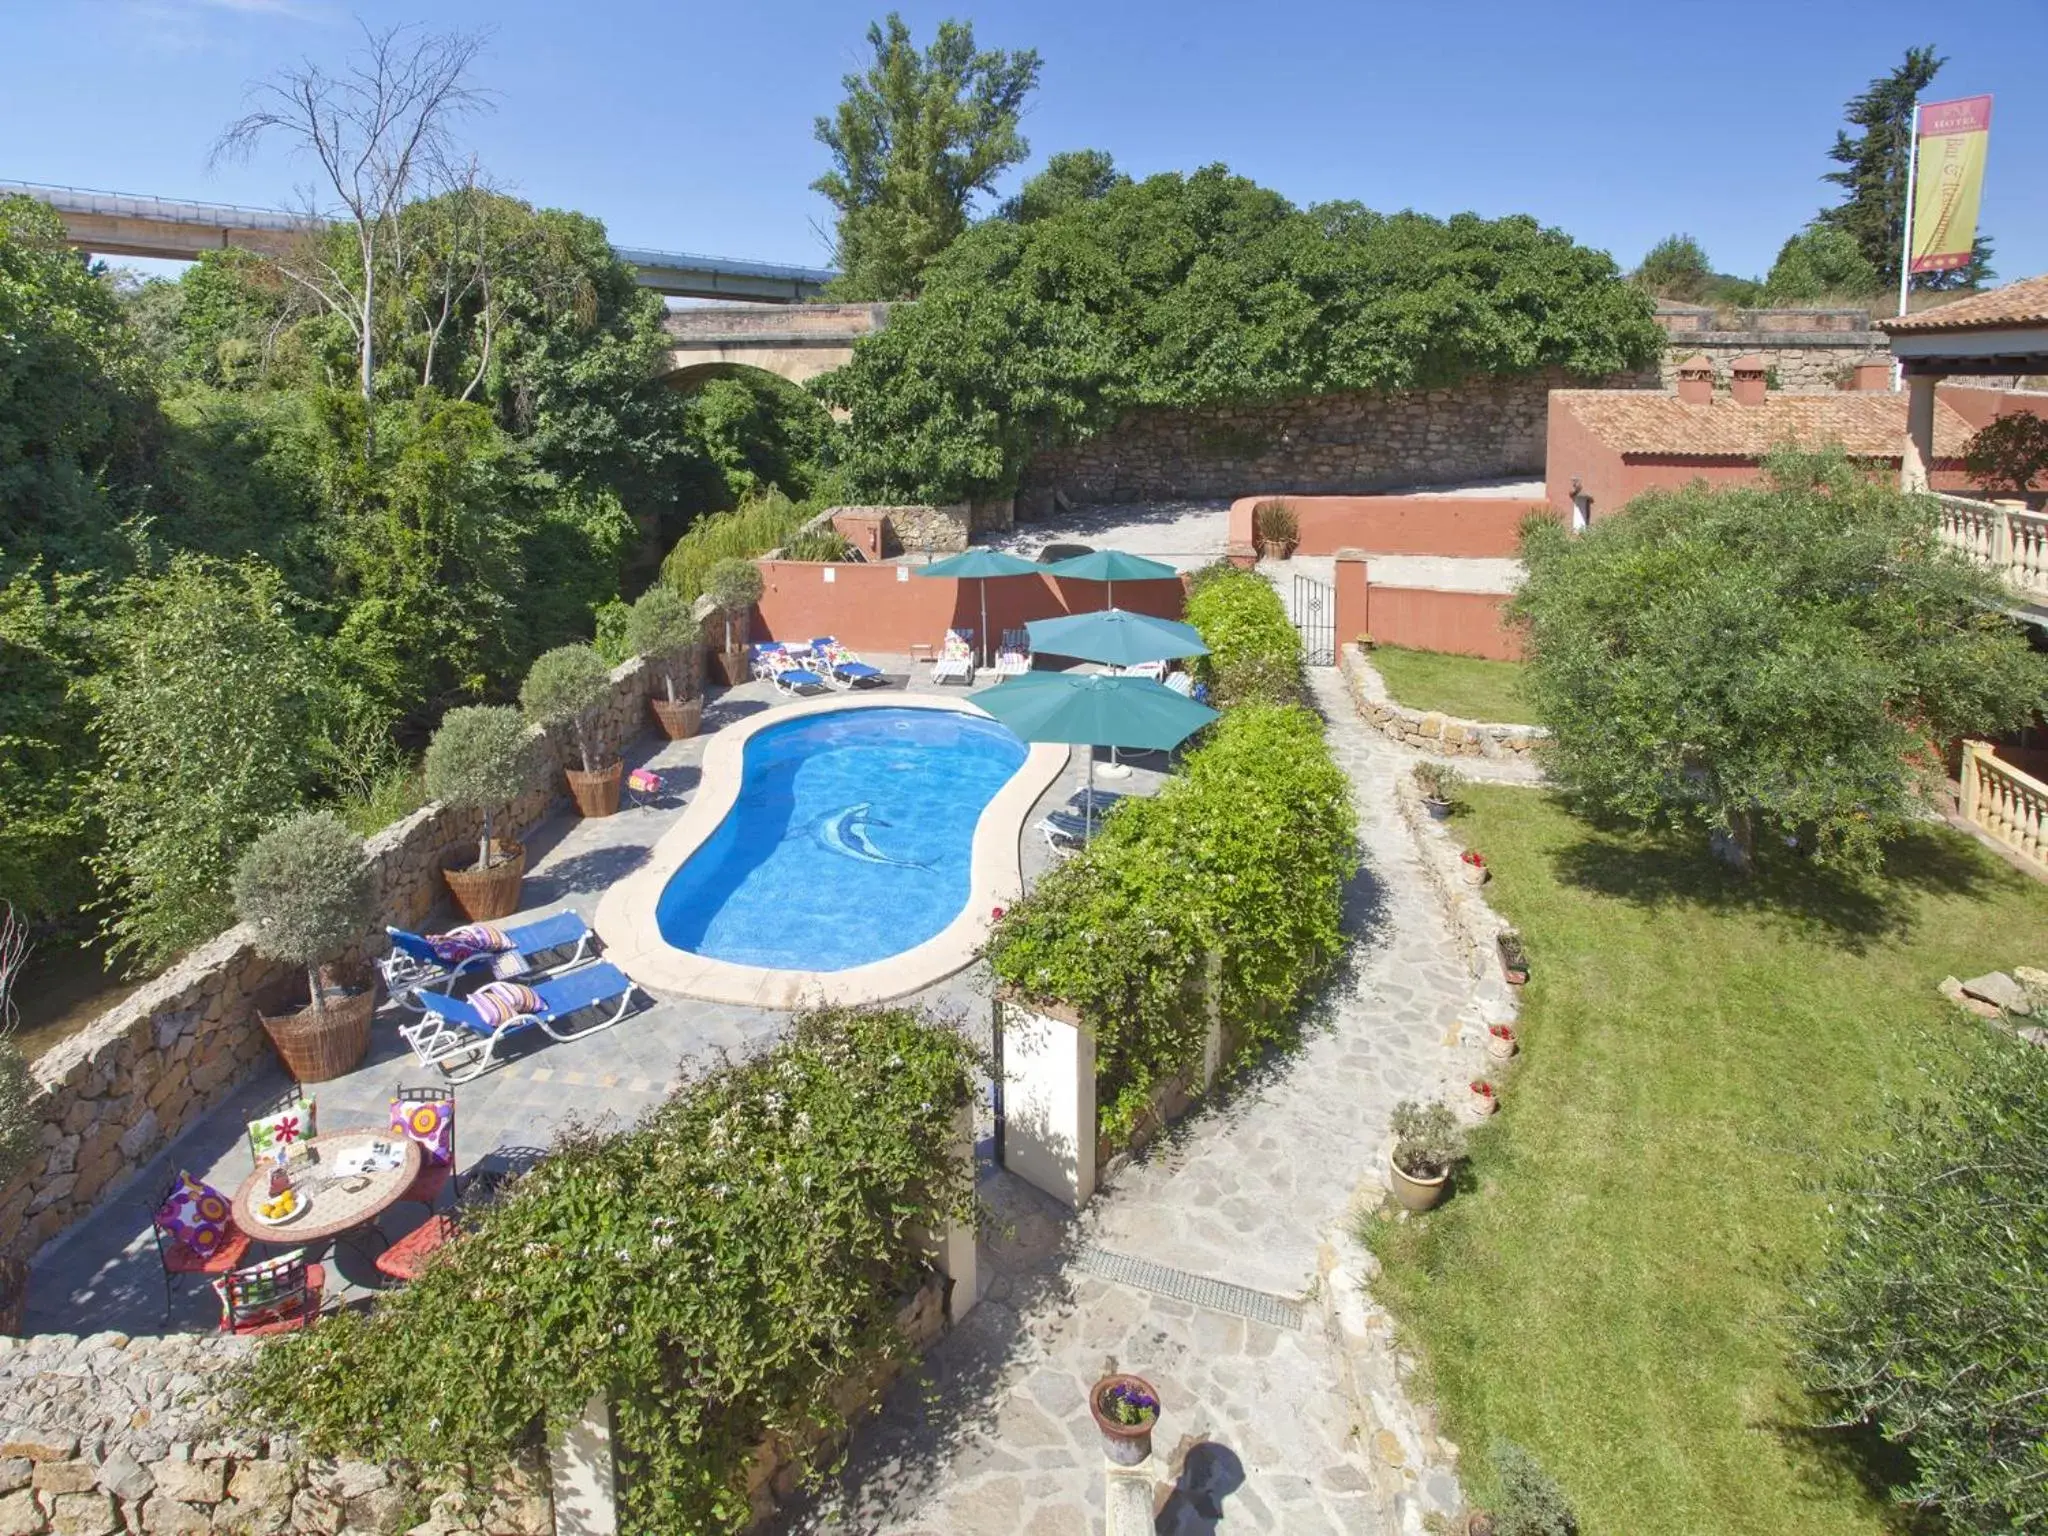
(851, 839)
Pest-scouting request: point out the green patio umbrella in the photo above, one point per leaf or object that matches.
(1089, 709)
(1115, 637)
(1111, 566)
(979, 565)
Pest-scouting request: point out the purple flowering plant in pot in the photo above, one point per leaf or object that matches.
(1125, 1409)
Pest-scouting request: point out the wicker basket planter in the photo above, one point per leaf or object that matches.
(315, 1048)
(596, 794)
(486, 894)
(679, 720)
(735, 667)
(13, 1295)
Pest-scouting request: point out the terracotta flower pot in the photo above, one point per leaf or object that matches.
(1125, 1444)
(1475, 874)
(596, 794)
(1415, 1194)
(680, 720)
(1500, 1042)
(1276, 549)
(316, 1047)
(483, 895)
(1480, 1099)
(1514, 960)
(735, 667)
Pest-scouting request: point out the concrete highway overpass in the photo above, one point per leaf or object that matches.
(117, 224)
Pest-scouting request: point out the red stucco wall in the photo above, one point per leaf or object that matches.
(1422, 618)
(1396, 525)
(870, 609)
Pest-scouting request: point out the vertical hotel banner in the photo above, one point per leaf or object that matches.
(1950, 181)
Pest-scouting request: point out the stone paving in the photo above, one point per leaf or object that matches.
(104, 1274)
(1259, 1432)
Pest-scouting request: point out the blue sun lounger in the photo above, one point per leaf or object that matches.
(454, 1038)
(846, 669)
(413, 966)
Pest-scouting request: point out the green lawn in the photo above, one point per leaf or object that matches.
(1463, 686)
(1611, 1288)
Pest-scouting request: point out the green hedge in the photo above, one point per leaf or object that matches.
(1243, 856)
(713, 1271)
(1254, 652)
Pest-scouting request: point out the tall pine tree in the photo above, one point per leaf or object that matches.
(1874, 164)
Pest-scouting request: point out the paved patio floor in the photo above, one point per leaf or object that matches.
(104, 1272)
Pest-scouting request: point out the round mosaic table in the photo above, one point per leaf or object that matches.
(338, 1204)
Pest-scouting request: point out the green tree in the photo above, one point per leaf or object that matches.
(307, 888)
(917, 137)
(1786, 659)
(201, 720)
(1928, 1322)
(1676, 268)
(1072, 176)
(1874, 161)
(481, 759)
(46, 748)
(1194, 290)
(1821, 261)
(76, 417)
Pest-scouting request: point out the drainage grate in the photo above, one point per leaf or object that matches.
(1215, 1295)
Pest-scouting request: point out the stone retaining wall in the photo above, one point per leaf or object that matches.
(119, 1089)
(109, 1434)
(1357, 441)
(1430, 730)
(1804, 362)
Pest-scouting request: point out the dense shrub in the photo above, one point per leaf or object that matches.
(759, 524)
(1232, 875)
(713, 1272)
(1928, 1321)
(1531, 1503)
(1254, 651)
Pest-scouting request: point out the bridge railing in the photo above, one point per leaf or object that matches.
(2008, 540)
(2008, 805)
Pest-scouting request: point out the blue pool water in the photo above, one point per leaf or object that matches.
(850, 841)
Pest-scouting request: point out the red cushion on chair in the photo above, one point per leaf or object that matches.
(426, 1189)
(404, 1258)
(181, 1260)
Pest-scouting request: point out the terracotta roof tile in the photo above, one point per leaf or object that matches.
(2023, 303)
(1646, 421)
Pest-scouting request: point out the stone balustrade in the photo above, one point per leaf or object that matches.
(2007, 539)
(114, 1093)
(2009, 806)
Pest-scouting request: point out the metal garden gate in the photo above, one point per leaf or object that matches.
(1314, 612)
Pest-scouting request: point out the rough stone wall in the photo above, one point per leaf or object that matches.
(1807, 362)
(109, 1434)
(943, 529)
(119, 1089)
(1357, 441)
(1429, 730)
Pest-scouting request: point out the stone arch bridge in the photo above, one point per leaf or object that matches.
(796, 342)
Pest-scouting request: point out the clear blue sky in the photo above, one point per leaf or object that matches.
(687, 125)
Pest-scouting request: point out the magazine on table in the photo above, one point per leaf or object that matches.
(379, 1156)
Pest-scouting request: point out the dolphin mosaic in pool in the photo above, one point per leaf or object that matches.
(847, 832)
(851, 839)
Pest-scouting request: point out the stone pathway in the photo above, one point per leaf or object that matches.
(1273, 1420)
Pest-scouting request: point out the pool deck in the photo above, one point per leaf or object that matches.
(103, 1273)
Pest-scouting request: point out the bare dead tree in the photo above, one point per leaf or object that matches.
(379, 130)
(14, 948)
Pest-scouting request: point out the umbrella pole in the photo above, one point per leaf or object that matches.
(1089, 799)
(984, 621)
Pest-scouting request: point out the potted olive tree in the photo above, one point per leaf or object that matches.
(660, 628)
(734, 586)
(306, 887)
(1275, 529)
(20, 1126)
(566, 688)
(1439, 783)
(483, 757)
(1428, 1144)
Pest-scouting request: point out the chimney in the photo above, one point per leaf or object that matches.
(1872, 376)
(1748, 384)
(1696, 380)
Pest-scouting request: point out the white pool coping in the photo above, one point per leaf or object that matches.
(633, 941)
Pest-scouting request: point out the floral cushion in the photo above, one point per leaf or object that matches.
(430, 1122)
(502, 1001)
(197, 1215)
(458, 944)
(289, 1126)
(644, 781)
